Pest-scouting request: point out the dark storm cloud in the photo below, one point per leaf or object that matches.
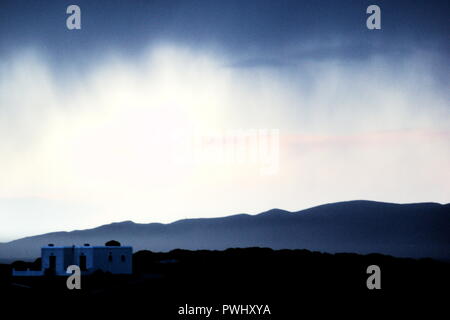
(87, 117)
(266, 32)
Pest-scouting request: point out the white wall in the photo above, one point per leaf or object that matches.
(101, 259)
(58, 252)
(96, 258)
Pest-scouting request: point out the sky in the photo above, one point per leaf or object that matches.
(156, 111)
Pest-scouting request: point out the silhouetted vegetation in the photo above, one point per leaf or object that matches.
(112, 243)
(284, 279)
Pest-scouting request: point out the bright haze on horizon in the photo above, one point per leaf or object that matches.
(95, 124)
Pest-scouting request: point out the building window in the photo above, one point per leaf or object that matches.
(110, 257)
(122, 258)
(83, 262)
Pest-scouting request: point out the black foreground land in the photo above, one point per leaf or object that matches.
(290, 282)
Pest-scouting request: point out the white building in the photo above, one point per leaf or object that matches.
(109, 258)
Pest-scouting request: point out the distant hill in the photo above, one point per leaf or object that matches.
(403, 230)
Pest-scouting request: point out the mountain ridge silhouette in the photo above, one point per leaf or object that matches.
(360, 226)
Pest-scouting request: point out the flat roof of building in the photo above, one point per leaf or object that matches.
(62, 247)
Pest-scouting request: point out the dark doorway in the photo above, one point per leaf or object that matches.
(52, 263)
(83, 262)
